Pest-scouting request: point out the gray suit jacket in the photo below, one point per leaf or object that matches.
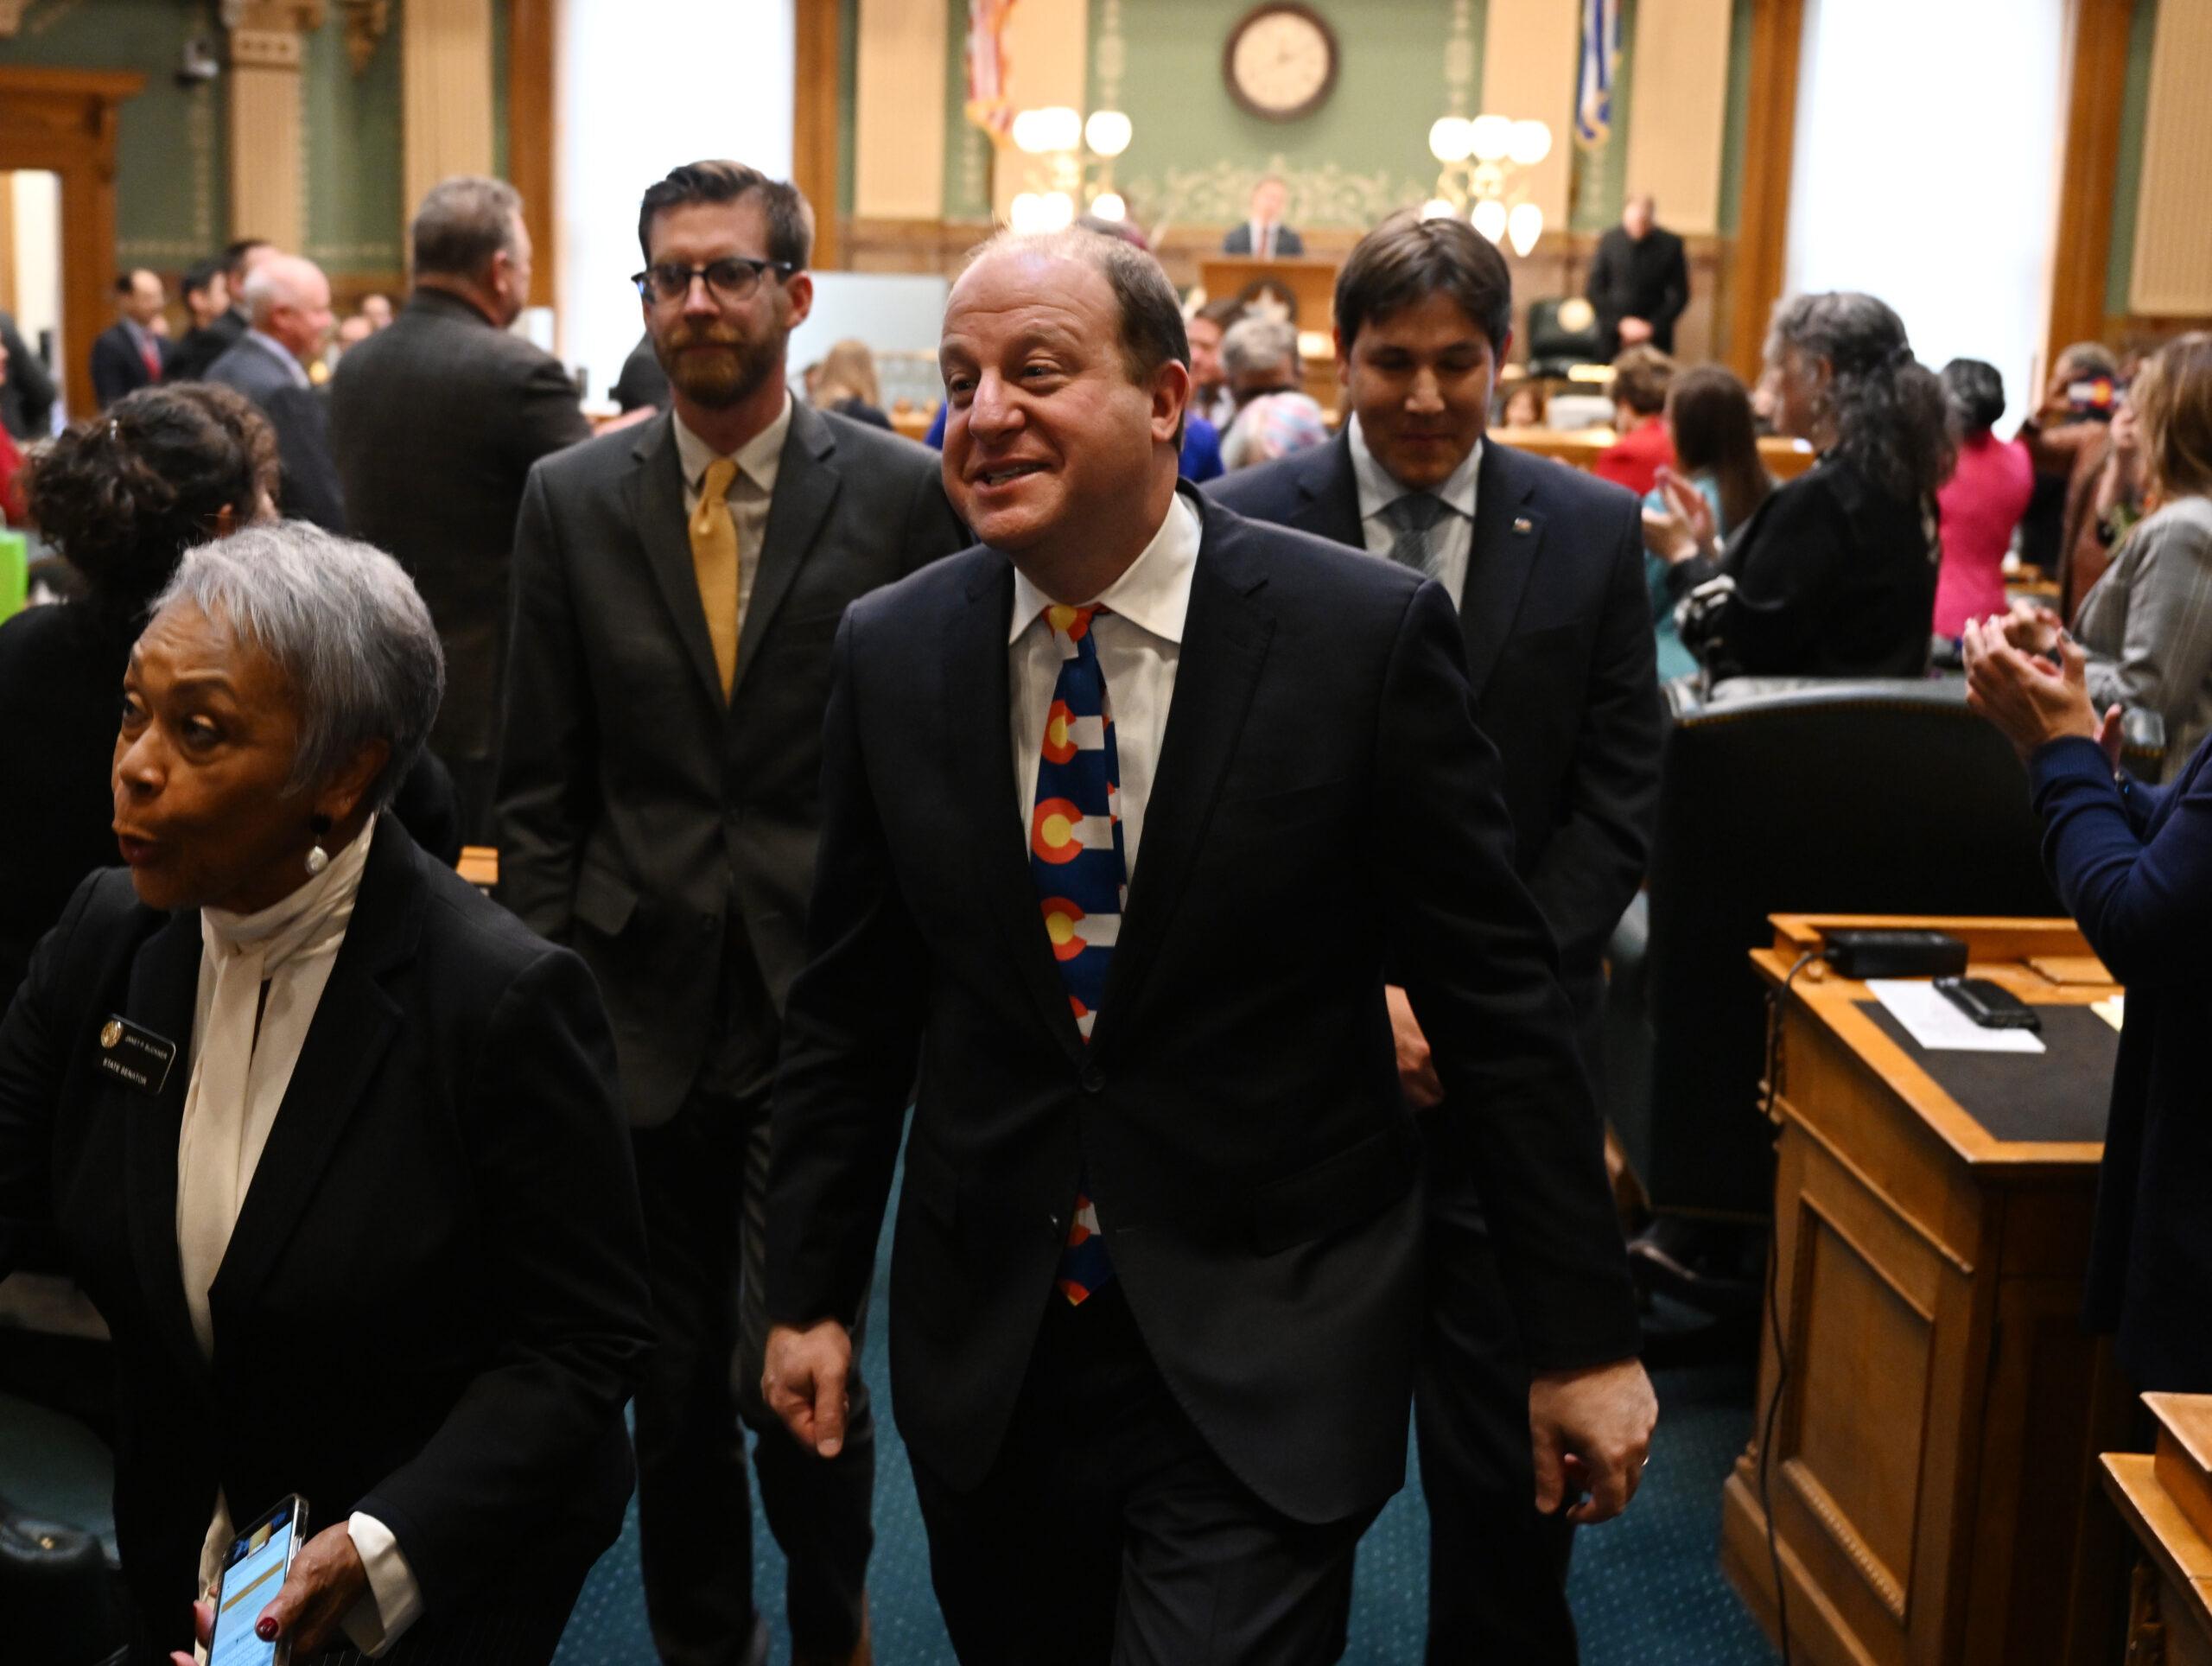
(435, 424)
(636, 808)
(309, 490)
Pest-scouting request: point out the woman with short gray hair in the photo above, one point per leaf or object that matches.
(331, 1143)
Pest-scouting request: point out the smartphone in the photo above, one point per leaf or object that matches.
(1989, 1004)
(253, 1571)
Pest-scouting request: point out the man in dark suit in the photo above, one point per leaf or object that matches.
(27, 391)
(288, 298)
(1639, 281)
(201, 348)
(1547, 566)
(206, 292)
(436, 423)
(1126, 812)
(127, 355)
(1264, 235)
(676, 588)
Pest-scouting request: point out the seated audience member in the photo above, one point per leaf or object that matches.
(130, 353)
(1716, 451)
(1524, 406)
(1835, 574)
(848, 385)
(2134, 866)
(1209, 395)
(1982, 502)
(2064, 436)
(122, 497)
(1263, 235)
(288, 301)
(1640, 379)
(1274, 417)
(2147, 628)
(323, 995)
(2100, 506)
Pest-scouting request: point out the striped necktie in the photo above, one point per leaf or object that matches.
(1413, 517)
(1082, 877)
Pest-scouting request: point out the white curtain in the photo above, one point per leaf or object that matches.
(644, 84)
(1927, 171)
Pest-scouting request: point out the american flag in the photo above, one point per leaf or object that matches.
(1601, 61)
(990, 105)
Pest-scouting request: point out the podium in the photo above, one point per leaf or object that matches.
(1313, 284)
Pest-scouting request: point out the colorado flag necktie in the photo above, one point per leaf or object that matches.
(1076, 858)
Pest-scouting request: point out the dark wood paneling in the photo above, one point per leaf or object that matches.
(531, 26)
(814, 124)
(2097, 79)
(1770, 144)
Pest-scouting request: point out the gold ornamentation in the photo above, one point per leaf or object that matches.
(366, 23)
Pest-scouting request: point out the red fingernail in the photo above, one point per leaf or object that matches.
(266, 1630)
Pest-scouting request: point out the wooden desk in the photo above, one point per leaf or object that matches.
(1934, 1459)
(2166, 1498)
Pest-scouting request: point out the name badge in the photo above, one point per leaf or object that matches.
(134, 1055)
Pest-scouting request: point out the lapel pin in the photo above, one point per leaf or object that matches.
(1521, 523)
(111, 1032)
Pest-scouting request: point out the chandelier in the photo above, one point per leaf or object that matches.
(1069, 167)
(1484, 162)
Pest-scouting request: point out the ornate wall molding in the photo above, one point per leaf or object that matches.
(366, 23)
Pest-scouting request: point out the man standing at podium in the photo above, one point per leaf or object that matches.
(1264, 237)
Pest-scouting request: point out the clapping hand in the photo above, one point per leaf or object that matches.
(1685, 527)
(2031, 701)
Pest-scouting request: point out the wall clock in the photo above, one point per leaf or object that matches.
(1281, 61)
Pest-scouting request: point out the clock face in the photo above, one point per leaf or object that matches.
(1281, 62)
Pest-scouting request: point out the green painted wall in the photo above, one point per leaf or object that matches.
(350, 143)
(2128, 182)
(1739, 118)
(172, 200)
(849, 59)
(967, 148)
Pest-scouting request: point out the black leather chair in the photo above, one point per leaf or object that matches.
(1555, 350)
(1799, 796)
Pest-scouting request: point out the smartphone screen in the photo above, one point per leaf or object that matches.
(255, 1574)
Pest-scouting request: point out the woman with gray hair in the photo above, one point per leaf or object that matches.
(1835, 575)
(330, 1140)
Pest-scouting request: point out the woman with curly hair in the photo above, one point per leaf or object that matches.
(1835, 575)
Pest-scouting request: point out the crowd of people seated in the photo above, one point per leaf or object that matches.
(819, 762)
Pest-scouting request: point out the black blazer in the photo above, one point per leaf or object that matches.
(1323, 803)
(201, 348)
(435, 424)
(1557, 623)
(309, 490)
(117, 367)
(640, 816)
(1647, 278)
(1239, 241)
(433, 1304)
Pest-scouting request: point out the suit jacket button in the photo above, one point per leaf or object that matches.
(1094, 1080)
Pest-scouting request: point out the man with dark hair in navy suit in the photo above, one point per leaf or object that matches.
(1547, 566)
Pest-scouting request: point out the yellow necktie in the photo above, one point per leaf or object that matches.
(713, 561)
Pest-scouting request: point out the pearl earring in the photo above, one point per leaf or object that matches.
(318, 858)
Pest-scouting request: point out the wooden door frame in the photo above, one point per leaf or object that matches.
(63, 122)
(1770, 154)
(2097, 76)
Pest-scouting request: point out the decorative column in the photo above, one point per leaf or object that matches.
(445, 60)
(267, 49)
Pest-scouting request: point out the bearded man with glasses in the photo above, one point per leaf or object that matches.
(678, 585)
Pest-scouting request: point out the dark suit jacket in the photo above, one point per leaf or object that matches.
(199, 349)
(27, 394)
(2134, 867)
(435, 424)
(1323, 804)
(1239, 241)
(640, 818)
(118, 369)
(310, 490)
(1647, 278)
(433, 1304)
(1557, 622)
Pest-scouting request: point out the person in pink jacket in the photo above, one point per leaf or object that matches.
(1981, 503)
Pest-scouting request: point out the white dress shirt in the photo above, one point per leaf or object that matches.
(1450, 540)
(752, 489)
(245, 1045)
(1140, 642)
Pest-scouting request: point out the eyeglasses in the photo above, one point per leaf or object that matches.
(729, 280)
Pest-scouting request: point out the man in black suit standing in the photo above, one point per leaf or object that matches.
(1547, 566)
(206, 292)
(127, 355)
(1639, 280)
(288, 299)
(436, 423)
(677, 584)
(1126, 812)
(1264, 235)
(202, 347)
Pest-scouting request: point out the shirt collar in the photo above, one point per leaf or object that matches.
(269, 343)
(1379, 488)
(1154, 592)
(758, 458)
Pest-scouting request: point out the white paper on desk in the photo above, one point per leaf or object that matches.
(1930, 1019)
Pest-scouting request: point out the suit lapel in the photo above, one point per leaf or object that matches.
(354, 1024)
(653, 496)
(163, 990)
(1226, 639)
(1508, 533)
(806, 485)
(979, 737)
(1329, 494)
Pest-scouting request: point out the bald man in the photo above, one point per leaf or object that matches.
(288, 320)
